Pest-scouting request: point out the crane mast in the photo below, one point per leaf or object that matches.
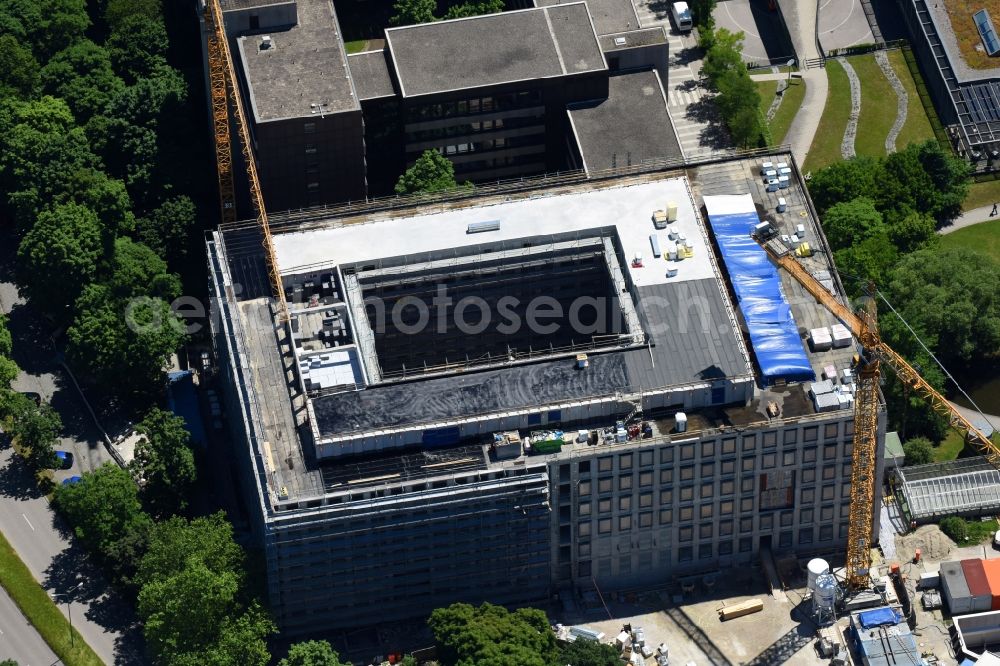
(864, 326)
(222, 84)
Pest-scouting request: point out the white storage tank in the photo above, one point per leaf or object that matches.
(825, 594)
(681, 419)
(816, 568)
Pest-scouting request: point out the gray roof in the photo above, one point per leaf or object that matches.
(967, 486)
(608, 15)
(495, 48)
(630, 126)
(305, 65)
(633, 38)
(370, 71)
(692, 340)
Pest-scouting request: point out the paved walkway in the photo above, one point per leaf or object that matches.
(970, 217)
(973, 415)
(803, 128)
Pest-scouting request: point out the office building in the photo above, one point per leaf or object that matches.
(439, 419)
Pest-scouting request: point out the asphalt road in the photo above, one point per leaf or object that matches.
(18, 639)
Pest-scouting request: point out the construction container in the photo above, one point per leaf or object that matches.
(739, 610)
(840, 335)
(821, 387)
(956, 590)
(992, 570)
(979, 586)
(827, 402)
(929, 580)
(660, 219)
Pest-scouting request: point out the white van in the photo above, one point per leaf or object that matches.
(682, 16)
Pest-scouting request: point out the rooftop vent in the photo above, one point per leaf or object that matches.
(619, 41)
(480, 227)
(265, 42)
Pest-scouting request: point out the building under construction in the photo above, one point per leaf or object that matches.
(595, 382)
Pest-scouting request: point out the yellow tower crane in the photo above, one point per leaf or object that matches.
(864, 326)
(222, 84)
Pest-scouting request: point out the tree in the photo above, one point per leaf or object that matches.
(118, 12)
(911, 231)
(409, 12)
(589, 653)
(164, 462)
(59, 257)
(19, 71)
(928, 180)
(36, 428)
(474, 9)
(82, 75)
(848, 222)
(701, 13)
(139, 272)
(8, 662)
(137, 47)
(724, 55)
(124, 343)
(432, 172)
(173, 542)
(313, 653)
(866, 260)
(955, 529)
(168, 227)
(103, 507)
(918, 451)
(492, 636)
(48, 25)
(951, 298)
(846, 180)
(6, 340)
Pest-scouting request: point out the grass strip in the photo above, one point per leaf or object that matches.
(918, 126)
(41, 611)
(825, 148)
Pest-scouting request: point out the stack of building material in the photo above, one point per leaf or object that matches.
(840, 335)
(820, 339)
(956, 590)
(979, 586)
(819, 388)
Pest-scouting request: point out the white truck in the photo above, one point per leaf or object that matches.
(682, 16)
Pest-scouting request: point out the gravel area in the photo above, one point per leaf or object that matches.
(847, 146)
(902, 99)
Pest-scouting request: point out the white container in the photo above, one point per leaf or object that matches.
(673, 233)
(784, 182)
(816, 568)
(821, 388)
(671, 272)
(772, 185)
(840, 335)
(782, 205)
(847, 377)
(770, 173)
(930, 580)
(820, 339)
(765, 167)
(671, 211)
(681, 419)
(781, 165)
(800, 229)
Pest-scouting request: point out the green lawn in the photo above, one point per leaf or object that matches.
(983, 237)
(982, 194)
(825, 148)
(40, 610)
(917, 127)
(794, 94)
(878, 106)
(355, 45)
(950, 447)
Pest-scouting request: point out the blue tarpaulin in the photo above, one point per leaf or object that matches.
(774, 335)
(879, 617)
(182, 398)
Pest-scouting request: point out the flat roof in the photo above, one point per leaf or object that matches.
(628, 39)
(492, 49)
(969, 486)
(370, 71)
(305, 65)
(626, 207)
(628, 128)
(230, 5)
(608, 15)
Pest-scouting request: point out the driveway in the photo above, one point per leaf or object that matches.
(62, 567)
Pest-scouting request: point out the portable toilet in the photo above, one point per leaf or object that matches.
(783, 182)
(782, 205)
(681, 419)
(772, 185)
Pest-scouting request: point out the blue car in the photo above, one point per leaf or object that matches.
(71, 480)
(64, 459)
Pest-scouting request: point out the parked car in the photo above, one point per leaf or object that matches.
(71, 480)
(64, 459)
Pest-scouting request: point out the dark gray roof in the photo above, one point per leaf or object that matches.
(692, 339)
(305, 65)
(370, 72)
(464, 395)
(608, 15)
(630, 126)
(691, 336)
(633, 38)
(495, 48)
